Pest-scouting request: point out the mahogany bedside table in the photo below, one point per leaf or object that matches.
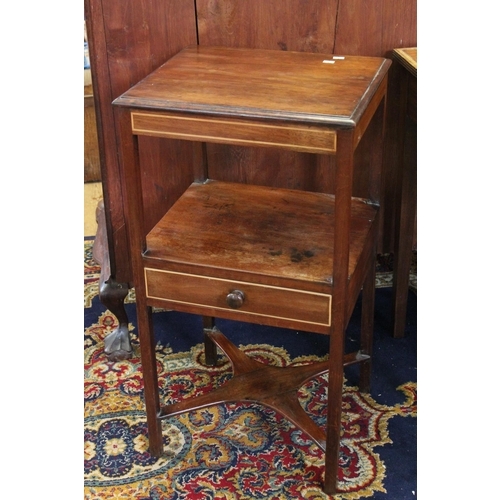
(273, 256)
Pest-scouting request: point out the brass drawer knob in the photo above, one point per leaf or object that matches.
(235, 299)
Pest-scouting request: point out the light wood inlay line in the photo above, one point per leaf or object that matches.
(408, 58)
(307, 139)
(326, 299)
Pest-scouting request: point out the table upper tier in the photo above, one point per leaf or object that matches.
(261, 84)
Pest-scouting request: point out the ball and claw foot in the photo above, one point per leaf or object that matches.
(117, 345)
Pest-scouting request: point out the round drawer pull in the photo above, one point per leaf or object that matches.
(235, 299)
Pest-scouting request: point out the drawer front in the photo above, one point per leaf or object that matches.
(243, 133)
(247, 299)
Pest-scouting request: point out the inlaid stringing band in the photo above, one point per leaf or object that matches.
(233, 282)
(168, 126)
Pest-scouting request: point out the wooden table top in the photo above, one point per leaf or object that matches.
(261, 84)
(408, 58)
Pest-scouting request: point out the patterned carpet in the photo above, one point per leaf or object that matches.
(241, 451)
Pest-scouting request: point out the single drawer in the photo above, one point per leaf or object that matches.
(306, 138)
(239, 299)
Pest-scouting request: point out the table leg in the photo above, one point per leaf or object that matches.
(405, 220)
(112, 294)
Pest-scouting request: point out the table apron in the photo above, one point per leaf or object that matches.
(296, 137)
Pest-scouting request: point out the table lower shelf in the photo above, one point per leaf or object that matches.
(252, 253)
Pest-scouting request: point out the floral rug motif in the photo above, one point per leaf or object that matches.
(91, 272)
(231, 451)
(226, 451)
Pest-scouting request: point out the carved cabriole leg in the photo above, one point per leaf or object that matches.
(111, 293)
(116, 344)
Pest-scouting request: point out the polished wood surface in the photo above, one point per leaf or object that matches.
(231, 130)
(282, 234)
(253, 381)
(239, 105)
(119, 58)
(406, 201)
(156, 30)
(91, 163)
(256, 84)
(248, 252)
(131, 38)
(279, 253)
(287, 25)
(407, 57)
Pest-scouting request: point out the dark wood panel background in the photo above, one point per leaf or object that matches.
(130, 38)
(91, 163)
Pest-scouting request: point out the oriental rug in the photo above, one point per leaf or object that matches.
(243, 450)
